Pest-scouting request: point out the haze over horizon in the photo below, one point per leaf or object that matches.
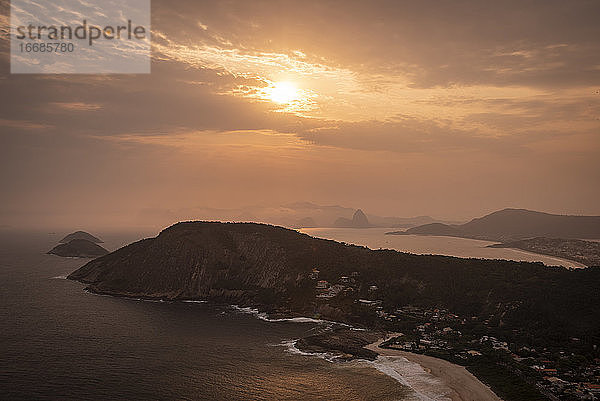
(448, 109)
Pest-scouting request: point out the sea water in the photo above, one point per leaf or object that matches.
(59, 342)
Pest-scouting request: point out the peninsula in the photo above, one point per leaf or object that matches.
(512, 324)
(515, 224)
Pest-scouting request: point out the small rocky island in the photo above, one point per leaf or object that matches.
(80, 235)
(79, 248)
(341, 342)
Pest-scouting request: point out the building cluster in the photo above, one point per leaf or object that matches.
(494, 343)
(325, 289)
(580, 383)
(586, 252)
(440, 332)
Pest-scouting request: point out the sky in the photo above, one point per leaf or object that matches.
(451, 109)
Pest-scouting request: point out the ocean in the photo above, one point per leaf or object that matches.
(59, 342)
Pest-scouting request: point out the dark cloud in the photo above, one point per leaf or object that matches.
(438, 43)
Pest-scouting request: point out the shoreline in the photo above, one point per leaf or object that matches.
(577, 264)
(556, 260)
(463, 384)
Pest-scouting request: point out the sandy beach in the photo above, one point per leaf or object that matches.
(464, 386)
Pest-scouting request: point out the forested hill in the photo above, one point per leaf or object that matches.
(271, 267)
(515, 224)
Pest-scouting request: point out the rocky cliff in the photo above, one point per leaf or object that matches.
(235, 262)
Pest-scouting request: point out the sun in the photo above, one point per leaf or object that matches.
(283, 92)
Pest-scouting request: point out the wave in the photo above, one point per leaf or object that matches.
(248, 310)
(140, 299)
(64, 277)
(85, 290)
(264, 316)
(127, 298)
(424, 385)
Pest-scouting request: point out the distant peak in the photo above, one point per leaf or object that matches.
(80, 235)
(360, 219)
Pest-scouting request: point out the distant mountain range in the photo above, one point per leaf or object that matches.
(340, 216)
(296, 215)
(515, 224)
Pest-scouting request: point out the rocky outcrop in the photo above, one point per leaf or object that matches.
(344, 343)
(359, 220)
